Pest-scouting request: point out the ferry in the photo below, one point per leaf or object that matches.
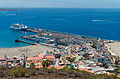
(18, 26)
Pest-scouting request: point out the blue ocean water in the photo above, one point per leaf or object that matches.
(104, 23)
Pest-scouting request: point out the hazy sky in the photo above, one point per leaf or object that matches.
(61, 3)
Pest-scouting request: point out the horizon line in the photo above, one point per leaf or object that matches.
(64, 7)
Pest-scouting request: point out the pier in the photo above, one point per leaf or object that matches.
(25, 42)
(32, 38)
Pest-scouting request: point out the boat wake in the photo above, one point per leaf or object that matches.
(98, 20)
(59, 20)
(104, 21)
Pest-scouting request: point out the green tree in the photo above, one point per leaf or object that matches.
(118, 70)
(65, 68)
(116, 62)
(94, 46)
(32, 65)
(45, 63)
(105, 65)
(72, 68)
(50, 52)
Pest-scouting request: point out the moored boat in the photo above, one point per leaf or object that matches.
(18, 26)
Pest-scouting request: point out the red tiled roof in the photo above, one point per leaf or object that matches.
(49, 57)
(35, 58)
(60, 67)
(56, 53)
(77, 46)
(2, 58)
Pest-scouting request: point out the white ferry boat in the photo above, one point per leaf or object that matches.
(17, 26)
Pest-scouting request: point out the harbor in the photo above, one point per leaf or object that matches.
(56, 37)
(60, 40)
(51, 38)
(65, 50)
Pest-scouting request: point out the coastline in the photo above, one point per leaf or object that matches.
(27, 50)
(32, 50)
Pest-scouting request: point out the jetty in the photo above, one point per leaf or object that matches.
(25, 42)
(32, 38)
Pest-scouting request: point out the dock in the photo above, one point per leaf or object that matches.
(25, 42)
(32, 38)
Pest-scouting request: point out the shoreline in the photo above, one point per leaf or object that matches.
(41, 48)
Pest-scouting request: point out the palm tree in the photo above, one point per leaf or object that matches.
(45, 63)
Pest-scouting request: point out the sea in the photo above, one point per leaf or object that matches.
(92, 22)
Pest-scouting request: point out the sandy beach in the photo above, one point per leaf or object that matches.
(27, 50)
(114, 47)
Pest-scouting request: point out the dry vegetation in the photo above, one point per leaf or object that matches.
(45, 73)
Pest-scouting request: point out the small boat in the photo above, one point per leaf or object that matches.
(17, 26)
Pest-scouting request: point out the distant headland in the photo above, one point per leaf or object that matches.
(9, 9)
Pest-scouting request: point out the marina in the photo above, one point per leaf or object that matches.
(59, 39)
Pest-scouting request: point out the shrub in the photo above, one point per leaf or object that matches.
(32, 72)
(42, 71)
(52, 70)
(65, 68)
(17, 72)
(2, 73)
(72, 68)
(3, 68)
(70, 71)
(21, 72)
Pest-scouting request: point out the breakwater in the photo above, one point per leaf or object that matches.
(25, 42)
